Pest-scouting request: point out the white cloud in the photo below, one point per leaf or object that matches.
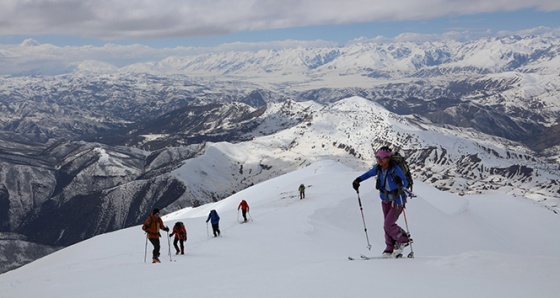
(139, 19)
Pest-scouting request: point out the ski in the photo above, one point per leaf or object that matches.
(364, 257)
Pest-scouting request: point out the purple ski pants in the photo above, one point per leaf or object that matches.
(393, 233)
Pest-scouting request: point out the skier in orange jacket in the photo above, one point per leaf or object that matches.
(151, 226)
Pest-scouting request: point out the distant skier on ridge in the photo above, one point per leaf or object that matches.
(301, 191)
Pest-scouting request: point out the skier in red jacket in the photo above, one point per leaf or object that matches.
(244, 209)
(180, 236)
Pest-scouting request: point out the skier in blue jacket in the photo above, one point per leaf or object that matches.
(390, 181)
(214, 219)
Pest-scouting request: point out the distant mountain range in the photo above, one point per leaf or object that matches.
(95, 150)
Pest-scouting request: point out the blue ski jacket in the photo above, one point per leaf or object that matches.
(389, 189)
(213, 217)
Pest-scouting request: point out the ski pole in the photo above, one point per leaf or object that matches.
(207, 233)
(169, 246)
(411, 254)
(409, 193)
(363, 220)
(238, 215)
(146, 248)
(250, 217)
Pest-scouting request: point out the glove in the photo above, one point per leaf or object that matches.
(166, 229)
(356, 184)
(170, 235)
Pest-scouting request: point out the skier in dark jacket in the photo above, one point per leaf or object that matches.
(301, 189)
(390, 181)
(214, 219)
(180, 236)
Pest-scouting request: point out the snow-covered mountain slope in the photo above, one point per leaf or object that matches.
(15, 251)
(348, 131)
(514, 75)
(103, 141)
(77, 183)
(469, 246)
(356, 64)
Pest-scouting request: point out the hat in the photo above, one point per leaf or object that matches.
(383, 152)
(156, 211)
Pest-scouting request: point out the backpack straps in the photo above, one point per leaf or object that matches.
(392, 164)
(147, 224)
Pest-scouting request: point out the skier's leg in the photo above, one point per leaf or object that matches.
(389, 243)
(155, 251)
(157, 247)
(175, 244)
(392, 230)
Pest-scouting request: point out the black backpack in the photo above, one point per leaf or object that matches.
(399, 160)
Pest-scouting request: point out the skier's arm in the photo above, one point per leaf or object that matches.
(163, 225)
(369, 174)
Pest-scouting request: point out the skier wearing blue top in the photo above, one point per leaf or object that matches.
(214, 219)
(390, 181)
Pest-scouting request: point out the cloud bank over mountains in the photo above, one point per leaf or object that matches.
(31, 57)
(136, 19)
